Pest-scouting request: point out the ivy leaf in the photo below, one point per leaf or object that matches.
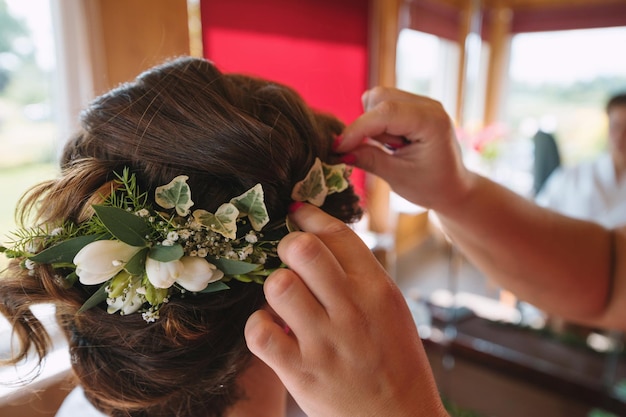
(166, 253)
(176, 194)
(335, 177)
(97, 298)
(224, 221)
(313, 187)
(123, 225)
(233, 267)
(251, 204)
(65, 251)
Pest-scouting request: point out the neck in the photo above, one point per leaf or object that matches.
(265, 395)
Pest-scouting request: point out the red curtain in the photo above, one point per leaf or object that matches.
(318, 47)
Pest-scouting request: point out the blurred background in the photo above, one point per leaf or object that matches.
(504, 70)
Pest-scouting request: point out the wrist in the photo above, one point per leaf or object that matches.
(462, 191)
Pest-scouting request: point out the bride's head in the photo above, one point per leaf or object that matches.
(206, 136)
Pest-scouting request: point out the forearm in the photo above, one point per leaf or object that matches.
(559, 264)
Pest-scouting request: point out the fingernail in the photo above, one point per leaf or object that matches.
(395, 146)
(294, 206)
(348, 159)
(337, 142)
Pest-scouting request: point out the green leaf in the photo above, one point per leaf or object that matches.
(97, 298)
(243, 278)
(123, 225)
(71, 279)
(155, 296)
(137, 264)
(215, 286)
(176, 194)
(251, 204)
(224, 221)
(65, 251)
(313, 187)
(166, 253)
(233, 267)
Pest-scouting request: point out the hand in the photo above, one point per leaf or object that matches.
(351, 347)
(422, 160)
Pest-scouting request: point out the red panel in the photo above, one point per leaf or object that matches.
(318, 47)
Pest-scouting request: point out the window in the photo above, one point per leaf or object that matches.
(565, 92)
(428, 65)
(28, 128)
(29, 134)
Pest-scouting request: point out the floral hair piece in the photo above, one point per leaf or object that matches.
(140, 256)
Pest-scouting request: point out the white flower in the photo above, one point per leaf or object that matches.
(192, 273)
(203, 252)
(173, 236)
(129, 302)
(247, 251)
(251, 237)
(143, 213)
(167, 242)
(184, 234)
(198, 273)
(101, 260)
(163, 274)
(56, 231)
(29, 264)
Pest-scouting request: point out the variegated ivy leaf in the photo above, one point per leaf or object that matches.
(176, 195)
(251, 204)
(313, 187)
(335, 179)
(224, 221)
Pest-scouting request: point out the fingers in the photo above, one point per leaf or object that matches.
(377, 94)
(394, 116)
(343, 248)
(287, 293)
(269, 342)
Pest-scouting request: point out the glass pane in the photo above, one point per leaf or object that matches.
(28, 129)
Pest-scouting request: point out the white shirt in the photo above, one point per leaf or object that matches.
(588, 191)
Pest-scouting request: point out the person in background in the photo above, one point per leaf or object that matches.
(594, 190)
(346, 314)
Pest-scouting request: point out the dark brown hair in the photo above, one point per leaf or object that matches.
(615, 101)
(227, 133)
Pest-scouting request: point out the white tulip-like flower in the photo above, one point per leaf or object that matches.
(191, 272)
(101, 260)
(163, 274)
(198, 273)
(128, 303)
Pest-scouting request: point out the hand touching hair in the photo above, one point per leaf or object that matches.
(226, 133)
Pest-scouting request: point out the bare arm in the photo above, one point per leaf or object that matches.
(562, 265)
